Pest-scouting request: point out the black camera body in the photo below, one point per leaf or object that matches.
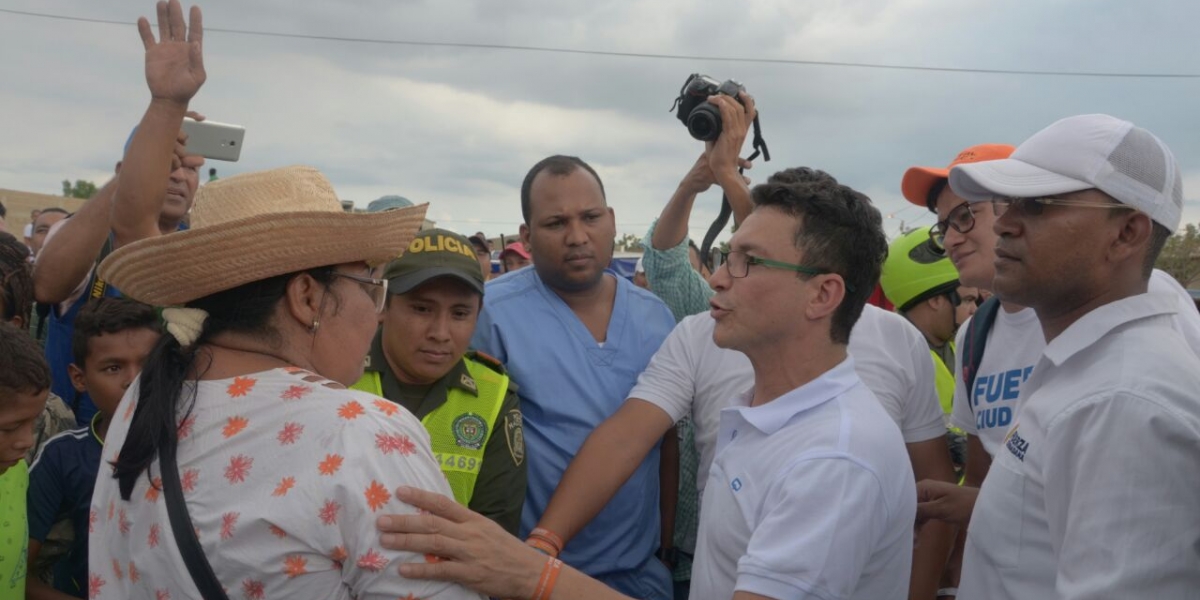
(702, 119)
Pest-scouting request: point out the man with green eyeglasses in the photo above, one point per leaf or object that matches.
(695, 376)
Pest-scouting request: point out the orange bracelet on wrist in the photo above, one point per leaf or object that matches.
(549, 577)
(550, 537)
(542, 546)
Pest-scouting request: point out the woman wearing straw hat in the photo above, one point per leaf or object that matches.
(241, 464)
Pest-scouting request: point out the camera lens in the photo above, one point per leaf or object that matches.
(704, 123)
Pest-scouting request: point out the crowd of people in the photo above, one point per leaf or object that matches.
(241, 390)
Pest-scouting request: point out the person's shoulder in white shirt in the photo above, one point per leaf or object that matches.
(893, 360)
(810, 494)
(1092, 494)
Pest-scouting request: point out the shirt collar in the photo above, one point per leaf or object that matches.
(770, 417)
(1089, 328)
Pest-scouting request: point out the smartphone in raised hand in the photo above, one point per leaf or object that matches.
(218, 141)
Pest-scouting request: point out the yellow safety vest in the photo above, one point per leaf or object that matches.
(460, 428)
(943, 380)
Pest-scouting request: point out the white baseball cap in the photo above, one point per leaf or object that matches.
(1079, 153)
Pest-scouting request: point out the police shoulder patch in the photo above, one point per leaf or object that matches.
(514, 434)
(487, 360)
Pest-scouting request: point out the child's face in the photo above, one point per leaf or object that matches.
(113, 362)
(18, 412)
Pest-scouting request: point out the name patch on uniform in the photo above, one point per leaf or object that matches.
(469, 431)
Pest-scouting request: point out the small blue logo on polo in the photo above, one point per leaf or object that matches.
(736, 484)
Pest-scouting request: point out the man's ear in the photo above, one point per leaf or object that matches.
(1133, 238)
(524, 232)
(78, 381)
(830, 292)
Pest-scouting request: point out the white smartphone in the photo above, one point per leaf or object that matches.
(218, 141)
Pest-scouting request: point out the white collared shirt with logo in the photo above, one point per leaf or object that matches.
(810, 495)
(690, 375)
(1013, 347)
(1096, 491)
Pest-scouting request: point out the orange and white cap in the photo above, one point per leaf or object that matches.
(919, 180)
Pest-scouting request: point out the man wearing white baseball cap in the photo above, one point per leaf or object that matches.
(1094, 494)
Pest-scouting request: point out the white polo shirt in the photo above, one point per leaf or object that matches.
(1013, 347)
(690, 375)
(810, 495)
(1096, 492)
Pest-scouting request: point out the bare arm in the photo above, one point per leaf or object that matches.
(978, 462)
(935, 539)
(668, 487)
(717, 164)
(67, 255)
(480, 554)
(609, 456)
(35, 589)
(174, 73)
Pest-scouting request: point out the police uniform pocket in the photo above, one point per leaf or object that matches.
(998, 520)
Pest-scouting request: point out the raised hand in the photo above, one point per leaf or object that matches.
(174, 63)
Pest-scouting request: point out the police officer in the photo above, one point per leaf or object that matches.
(419, 360)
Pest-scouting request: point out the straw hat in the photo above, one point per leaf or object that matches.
(254, 226)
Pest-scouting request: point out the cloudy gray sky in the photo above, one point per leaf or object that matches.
(459, 127)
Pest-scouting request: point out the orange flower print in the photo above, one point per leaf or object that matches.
(238, 469)
(410, 597)
(277, 532)
(433, 558)
(95, 582)
(377, 495)
(295, 392)
(385, 407)
(117, 570)
(285, 485)
(123, 522)
(388, 443)
(253, 590)
(188, 481)
(350, 410)
(154, 490)
(129, 411)
(295, 566)
(112, 507)
(372, 561)
(339, 556)
(329, 512)
(234, 426)
(185, 426)
(330, 465)
(152, 539)
(134, 575)
(162, 595)
(241, 386)
(290, 433)
(228, 523)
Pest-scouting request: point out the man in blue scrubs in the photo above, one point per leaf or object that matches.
(574, 338)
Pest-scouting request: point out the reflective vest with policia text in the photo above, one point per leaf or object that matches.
(460, 428)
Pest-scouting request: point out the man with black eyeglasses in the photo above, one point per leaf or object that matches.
(1093, 493)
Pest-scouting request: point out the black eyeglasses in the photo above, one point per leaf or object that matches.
(1033, 207)
(739, 262)
(376, 288)
(960, 218)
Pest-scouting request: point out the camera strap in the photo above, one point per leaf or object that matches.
(760, 148)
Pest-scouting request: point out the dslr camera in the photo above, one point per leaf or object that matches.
(702, 119)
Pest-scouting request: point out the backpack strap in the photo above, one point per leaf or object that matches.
(976, 340)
